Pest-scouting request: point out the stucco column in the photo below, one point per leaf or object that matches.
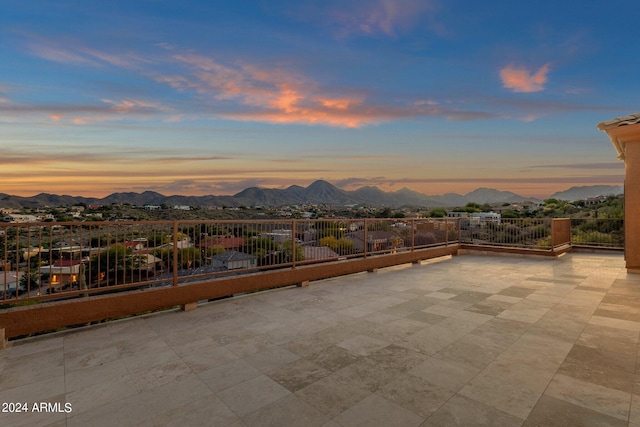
(624, 133)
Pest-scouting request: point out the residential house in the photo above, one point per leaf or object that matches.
(9, 283)
(595, 200)
(233, 260)
(180, 244)
(17, 218)
(485, 217)
(278, 236)
(377, 240)
(62, 271)
(146, 261)
(429, 225)
(136, 244)
(317, 253)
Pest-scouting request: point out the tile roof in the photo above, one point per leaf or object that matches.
(225, 242)
(233, 256)
(631, 119)
(610, 126)
(318, 252)
(66, 262)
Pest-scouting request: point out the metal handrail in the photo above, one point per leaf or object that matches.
(42, 261)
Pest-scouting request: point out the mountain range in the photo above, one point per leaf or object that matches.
(319, 192)
(583, 193)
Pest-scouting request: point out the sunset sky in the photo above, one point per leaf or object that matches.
(211, 97)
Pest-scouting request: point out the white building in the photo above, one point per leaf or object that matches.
(20, 218)
(485, 217)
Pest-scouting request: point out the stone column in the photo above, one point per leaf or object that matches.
(624, 133)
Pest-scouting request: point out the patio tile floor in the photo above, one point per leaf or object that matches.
(467, 340)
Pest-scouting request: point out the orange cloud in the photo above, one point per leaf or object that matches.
(338, 104)
(275, 95)
(243, 91)
(305, 116)
(286, 100)
(519, 79)
(280, 96)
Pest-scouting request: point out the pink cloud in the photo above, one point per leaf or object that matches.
(119, 60)
(372, 17)
(531, 117)
(519, 79)
(426, 102)
(74, 52)
(60, 55)
(129, 105)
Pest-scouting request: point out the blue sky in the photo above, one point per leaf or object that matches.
(210, 97)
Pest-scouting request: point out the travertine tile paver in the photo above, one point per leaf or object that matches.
(205, 411)
(554, 412)
(252, 394)
(602, 399)
(444, 373)
(415, 394)
(376, 410)
(508, 387)
(333, 394)
(298, 374)
(462, 411)
(228, 374)
(469, 340)
(290, 411)
(362, 345)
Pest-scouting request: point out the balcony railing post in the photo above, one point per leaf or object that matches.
(413, 234)
(293, 243)
(560, 232)
(446, 231)
(175, 253)
(364, 237)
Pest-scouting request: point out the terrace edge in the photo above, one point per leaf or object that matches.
(51, 316)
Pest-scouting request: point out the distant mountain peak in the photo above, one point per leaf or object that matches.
(318, 192)
(320, 183)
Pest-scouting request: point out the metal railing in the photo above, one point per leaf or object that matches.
(532, 233)
(179, 263)
(41, 261)
(604, 233)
